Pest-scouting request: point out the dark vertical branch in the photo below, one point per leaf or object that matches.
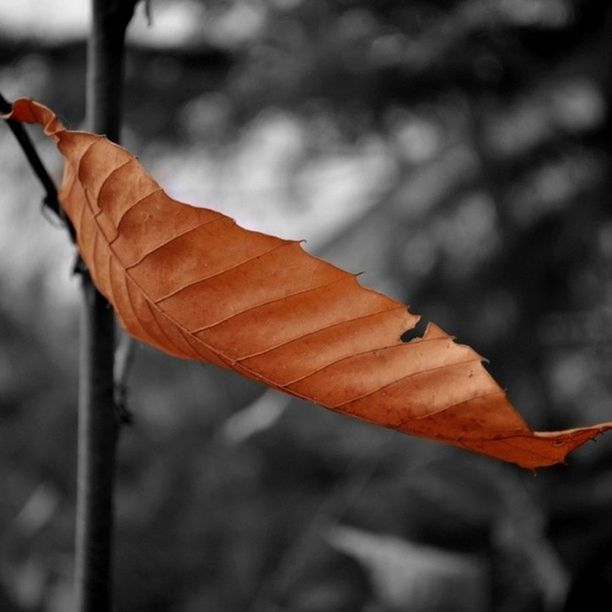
(98, 422)
(105, 65)
(96, 453)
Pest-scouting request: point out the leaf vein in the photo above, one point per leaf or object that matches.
(220, 272)
(171, 240)
(268, 302)
(316, 331)
(360, 354)
(405, 377)
(127, 210)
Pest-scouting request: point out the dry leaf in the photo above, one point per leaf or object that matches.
(192, 283)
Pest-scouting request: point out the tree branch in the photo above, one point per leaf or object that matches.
(98, 414)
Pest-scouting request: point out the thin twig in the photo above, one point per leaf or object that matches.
(50, 200)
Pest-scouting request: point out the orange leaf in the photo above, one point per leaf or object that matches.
(192, 283)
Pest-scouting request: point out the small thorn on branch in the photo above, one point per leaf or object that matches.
(78, 267)
(123, 414)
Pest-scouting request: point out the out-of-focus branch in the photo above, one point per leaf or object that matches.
(124, 358)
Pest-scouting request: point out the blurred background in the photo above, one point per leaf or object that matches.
(459, 152)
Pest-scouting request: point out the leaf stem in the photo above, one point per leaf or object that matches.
(50, 199)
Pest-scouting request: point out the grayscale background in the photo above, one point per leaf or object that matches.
(458, 152)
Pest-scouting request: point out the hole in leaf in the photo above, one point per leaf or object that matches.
(418, 331)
